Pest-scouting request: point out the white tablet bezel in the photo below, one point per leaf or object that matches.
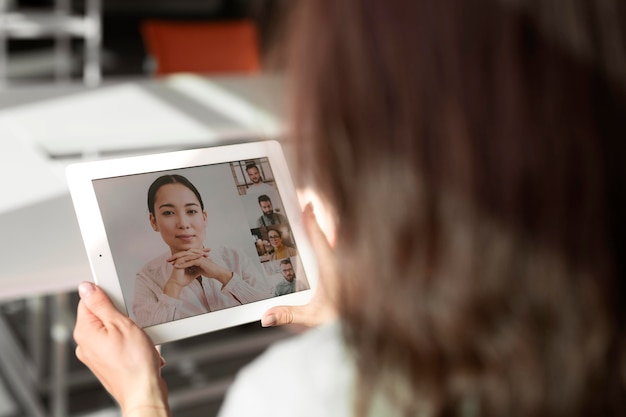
(80, 177)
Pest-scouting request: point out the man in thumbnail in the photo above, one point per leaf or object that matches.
(268, 217)
(258, 186)
(288, 284)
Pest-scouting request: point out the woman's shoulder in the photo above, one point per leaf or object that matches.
(323, 340)
(308, 374)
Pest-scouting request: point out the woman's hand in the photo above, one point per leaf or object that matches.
(120, 354)
(184, 275)
(320, 309)
(196, 262)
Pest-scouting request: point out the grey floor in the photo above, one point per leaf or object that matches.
(198, 372)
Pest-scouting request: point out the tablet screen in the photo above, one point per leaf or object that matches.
(172, 232)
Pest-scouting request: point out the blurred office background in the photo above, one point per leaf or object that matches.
(30, 52)
(47, 49)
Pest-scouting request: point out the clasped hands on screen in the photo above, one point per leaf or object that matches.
(189, 265)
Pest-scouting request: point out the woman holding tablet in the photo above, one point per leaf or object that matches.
(471, 156)
(189, 279)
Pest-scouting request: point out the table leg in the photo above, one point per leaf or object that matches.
(60, 332)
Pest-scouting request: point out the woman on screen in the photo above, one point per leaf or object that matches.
(281, 251)
(189, 279)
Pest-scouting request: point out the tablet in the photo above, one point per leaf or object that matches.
(194, 241)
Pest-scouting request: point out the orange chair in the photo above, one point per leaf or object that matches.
(202, 47)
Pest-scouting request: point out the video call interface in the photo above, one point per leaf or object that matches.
(246, 231)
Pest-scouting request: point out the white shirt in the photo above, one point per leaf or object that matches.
(308, 375)
(262, 188)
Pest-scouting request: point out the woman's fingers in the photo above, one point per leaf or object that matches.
(118, 352)
(309, 315)
(194, 253)
(190, 262)
(318, 311)
(95, 308)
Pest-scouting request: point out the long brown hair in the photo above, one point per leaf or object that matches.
(470, 153)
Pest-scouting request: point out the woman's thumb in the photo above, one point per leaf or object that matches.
(96, 301)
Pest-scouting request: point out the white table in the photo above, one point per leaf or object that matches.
(44, 128)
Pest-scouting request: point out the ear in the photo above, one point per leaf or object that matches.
(153, 223)
(204, 216)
